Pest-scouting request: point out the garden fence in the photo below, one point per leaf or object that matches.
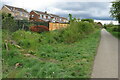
(23, 24)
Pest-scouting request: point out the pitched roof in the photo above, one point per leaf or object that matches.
(16, 8)
(63, 17)
(53, 15)
(40, 12)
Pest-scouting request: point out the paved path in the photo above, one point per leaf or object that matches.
(106, 60)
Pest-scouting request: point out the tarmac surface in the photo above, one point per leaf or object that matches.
(106, 60)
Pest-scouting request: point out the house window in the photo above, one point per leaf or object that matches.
(42, 16)
(60, 19)
(21, 13)
(46, 17)
(32, 16)
(25, 14)
(53, 18)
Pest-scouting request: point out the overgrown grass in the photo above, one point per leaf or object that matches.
(0, 53)
(114, 30)
(65, 53)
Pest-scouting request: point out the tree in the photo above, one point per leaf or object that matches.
(8, 22)
(70, 17)
(115, 10)
(88, 20)
(78, 19)
(74, 19)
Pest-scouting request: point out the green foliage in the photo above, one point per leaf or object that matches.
(97, 25)
(115, 10)
(114, 29)
(32, 24)
(70, 17)
(24, 24)
(52, 60)
(88, 20)
(49, 55)
(8, 22)
(26, 39)
(76, 31)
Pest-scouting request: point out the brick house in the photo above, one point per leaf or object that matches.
(46, 17)
(17, 13)
(38, 16)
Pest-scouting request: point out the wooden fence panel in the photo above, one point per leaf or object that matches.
(54, 26)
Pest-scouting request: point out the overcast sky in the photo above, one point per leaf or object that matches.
(95, 9)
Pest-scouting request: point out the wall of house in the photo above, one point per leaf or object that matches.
(4, 9)
(54, 26)
(22, 15)
(16, 13)
(35, 18)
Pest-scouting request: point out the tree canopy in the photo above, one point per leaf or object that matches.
(8, 22)
(115, 10)
(88, 20)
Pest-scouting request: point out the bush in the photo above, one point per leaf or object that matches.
(76, 31)
(116, 29)
(26, 39)
(108, 25)
(52, 60)
(8, 22)
(88, 20)
(24, 24)
(39, 28)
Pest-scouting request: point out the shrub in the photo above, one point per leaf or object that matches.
(108, 25)
(98, 25)
(8, 22)
(116, 29)
(76, 31)
(88, 20)
(26, 39)
(39, 28)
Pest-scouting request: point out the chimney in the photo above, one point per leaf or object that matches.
(45, 12)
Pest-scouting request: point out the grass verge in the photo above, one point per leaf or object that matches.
(115, 31)
(58, 60)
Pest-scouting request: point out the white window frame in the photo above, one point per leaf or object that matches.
(44, 16)
(32, 15)
(49, 17)
(21, 14)
(40, 16)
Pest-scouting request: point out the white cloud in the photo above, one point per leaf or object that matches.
(30, 4)
(86, 0)
(49, 5)
(107, 22)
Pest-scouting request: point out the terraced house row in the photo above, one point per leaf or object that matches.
(22, 14)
